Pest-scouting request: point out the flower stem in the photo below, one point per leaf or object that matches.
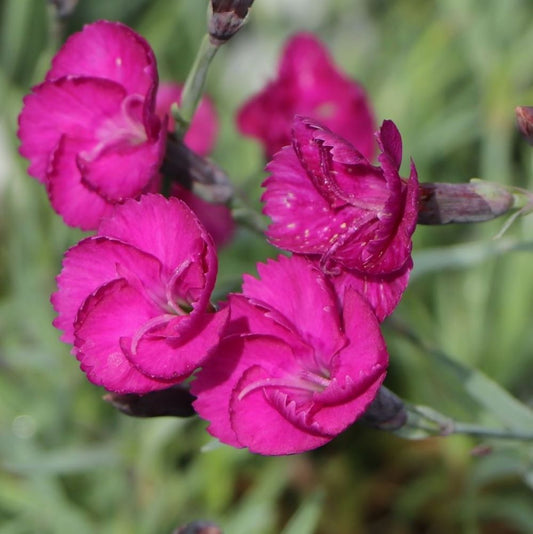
(433, 423)
(194, 86)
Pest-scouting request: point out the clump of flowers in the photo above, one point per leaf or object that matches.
(297, 356)
(134, 299)
(308, 83)
(90, 130)
(326, 200)
(295, 367)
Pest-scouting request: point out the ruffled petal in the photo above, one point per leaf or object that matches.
(264, 427)
(79, 206)
(302, 219)
(125, 169)
(92, 263)
(169, 230)
(73, 107)
(308, 302)
(383, 292)
(176, 358)
(109, 50)
(115, 310)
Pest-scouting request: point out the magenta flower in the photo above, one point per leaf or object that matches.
(310, 84)
(200, 138)
(295, 367)
(134, 299)
(90, 130)
(326, 200)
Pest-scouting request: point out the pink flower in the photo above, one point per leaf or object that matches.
(134, 299)
(326, 200)
(310, 84)
(295, 367)
(200, 138)
(90, 130)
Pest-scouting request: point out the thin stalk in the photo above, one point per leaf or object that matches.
(194, 86)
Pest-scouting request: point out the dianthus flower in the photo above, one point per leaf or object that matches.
(295, 367)
(200, 138)
(308, 83)
(326, 200)
(134, 299)
(90, 129)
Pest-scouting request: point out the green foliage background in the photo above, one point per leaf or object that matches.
(449, 73)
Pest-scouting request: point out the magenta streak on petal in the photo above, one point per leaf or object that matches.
(171, 302)
(125, 128)
(308, 381)
(146, 327)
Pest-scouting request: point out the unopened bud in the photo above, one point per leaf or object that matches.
(199, 527)
(524, 117)
(196, 173)
(476, 201)
(387, 411)
(226, 18)
(175, 401)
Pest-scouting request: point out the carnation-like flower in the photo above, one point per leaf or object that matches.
(308, 83)
(295, 367)
(200, 138)
(326, 200)
(134, 299)
(90, 129)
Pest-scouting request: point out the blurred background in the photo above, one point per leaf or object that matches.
(449, 73)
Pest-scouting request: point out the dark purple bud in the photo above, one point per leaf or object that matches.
(175, 401)
(387, 411)
(226, 18)
(524, 117)
(196, 173)
(476, 201)
(198, 527)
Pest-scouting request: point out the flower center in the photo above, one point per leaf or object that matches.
(305, 383)
(125, 129)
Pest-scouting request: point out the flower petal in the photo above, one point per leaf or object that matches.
(309, 304)
(176, 358)
(108, 50)
(382, 292)
(169, 230)
(92, 263)
(260, 426)
(68, 106)
(116, 309)
(78, 206)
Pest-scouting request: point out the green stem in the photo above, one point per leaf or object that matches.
(479, 431)
(194, 86)
(436, 424)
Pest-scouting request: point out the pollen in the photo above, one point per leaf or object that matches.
(118, 62)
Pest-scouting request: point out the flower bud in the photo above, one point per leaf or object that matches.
(476, 201)
(175, 401)
(226, 18)
(386, 412)
(199, 527)
(524, 117)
